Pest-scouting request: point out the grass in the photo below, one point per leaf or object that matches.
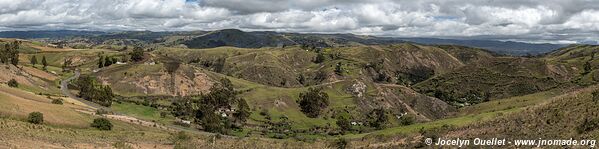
(508, 103)
(471, 114)
(141, 112)
(457, 121)
(17, 104)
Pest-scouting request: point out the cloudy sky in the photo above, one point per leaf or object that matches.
(555, 21)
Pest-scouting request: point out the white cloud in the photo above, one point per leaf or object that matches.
(526, 20)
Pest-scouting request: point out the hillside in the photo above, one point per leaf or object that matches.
(571, 115)
(417, 89)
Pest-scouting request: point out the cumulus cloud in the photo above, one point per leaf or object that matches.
(555, 21)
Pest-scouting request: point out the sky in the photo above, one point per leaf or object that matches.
(537, 21)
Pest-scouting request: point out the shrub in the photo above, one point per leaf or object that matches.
(179, 137)
(343, 123)
(13, 83)
(35, 118)
(378, 118)
(406, 120)
(101, 111)
(319, 58)
(587, 125)
(102, 124)
(596, 95)
(137, 54)
(57, 101)
(340, 143)
(313, 101)
(264, 112)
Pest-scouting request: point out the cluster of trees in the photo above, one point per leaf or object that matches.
(9, 54)
(313, 102)
(44, 61)
(91, 90)
(66, 64)
(106, 61)
(209, 109)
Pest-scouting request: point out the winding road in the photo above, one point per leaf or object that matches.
(64, 87)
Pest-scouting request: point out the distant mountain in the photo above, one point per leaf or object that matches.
(238, 38)
(47, 34)
(503, 47)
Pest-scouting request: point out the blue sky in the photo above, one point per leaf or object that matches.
(555, 21)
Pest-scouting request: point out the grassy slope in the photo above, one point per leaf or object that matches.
(473, 114)
(17, 104)
(559, 118)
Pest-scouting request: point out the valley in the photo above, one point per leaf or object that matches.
(227, 88)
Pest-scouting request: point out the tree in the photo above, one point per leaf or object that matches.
(102, 124)
(107, 61)
(13, 83)
(35, 118)
(44, 62)
(378, 118)
(319, 58)
(137, 54)
(243, 111)
(313, 101)
(211, 121)
(101, 62)
(206, 108)
(33, 60)
(90, 90)
(66, 63)
(587, 67)
(12, 53)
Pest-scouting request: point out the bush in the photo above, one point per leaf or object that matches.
(406, 120)
(13, 83)
(596, 95)
(340, 143)
(137, 54)
(180, 136)
(313, 101)
(378, 118)
(35, 118)
(102, 111)
(102, 124)
(343, 123)
(57, 101)
(587, 125)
